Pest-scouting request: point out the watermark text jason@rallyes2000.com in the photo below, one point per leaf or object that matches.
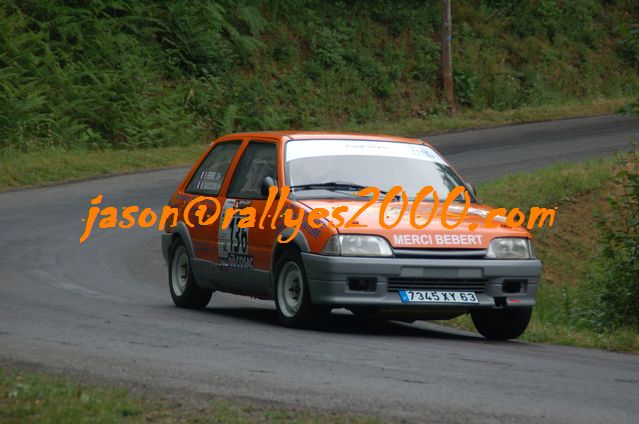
(204, 210)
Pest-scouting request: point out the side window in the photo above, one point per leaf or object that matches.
(210, 175)
(257, 162)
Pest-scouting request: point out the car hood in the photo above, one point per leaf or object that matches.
(472, 233)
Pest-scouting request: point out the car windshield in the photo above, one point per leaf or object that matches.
(321, 164)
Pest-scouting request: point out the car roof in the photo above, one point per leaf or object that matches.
(315, 135)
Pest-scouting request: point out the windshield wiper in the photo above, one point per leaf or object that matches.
(334, 186)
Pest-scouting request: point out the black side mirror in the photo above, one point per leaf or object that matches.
(471, 189)
(267, 183)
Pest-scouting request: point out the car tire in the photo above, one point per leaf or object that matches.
(501, 324)
(292, 295)
(184, 290)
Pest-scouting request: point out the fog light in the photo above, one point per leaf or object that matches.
(365, 284)
(513, 286)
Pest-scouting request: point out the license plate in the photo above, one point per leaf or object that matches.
(432, 296)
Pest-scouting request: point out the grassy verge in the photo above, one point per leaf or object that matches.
(19, 169)
(43, 399)
(566, 249)
(490, 118)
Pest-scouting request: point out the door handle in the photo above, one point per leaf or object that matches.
(243, 203)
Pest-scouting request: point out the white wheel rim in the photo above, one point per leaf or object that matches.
(180, 271)
(290, 289)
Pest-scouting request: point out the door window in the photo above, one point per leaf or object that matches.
(210, 175)
(257, 162)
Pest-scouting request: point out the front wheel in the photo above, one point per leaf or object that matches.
(184, 291)
(501, 324)
(292, 296)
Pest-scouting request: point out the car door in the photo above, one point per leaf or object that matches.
(245, 253)
(208, 180)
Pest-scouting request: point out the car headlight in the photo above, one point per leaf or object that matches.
(510, 248)
(356, 245)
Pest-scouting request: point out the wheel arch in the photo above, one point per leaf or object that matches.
(182, 232)
(299, 242)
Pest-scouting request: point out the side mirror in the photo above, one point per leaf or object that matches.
(267, 183)
(471, 189)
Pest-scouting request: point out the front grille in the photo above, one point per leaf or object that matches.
(440, 253)
(459, 284)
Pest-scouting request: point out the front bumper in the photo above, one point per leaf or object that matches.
(329, 276)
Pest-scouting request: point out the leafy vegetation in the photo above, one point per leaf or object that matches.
(111, 74)
(613, 286)
(54, 165)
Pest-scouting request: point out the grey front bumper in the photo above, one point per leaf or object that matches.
(328, 279)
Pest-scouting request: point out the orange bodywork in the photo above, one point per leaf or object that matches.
(261, 243)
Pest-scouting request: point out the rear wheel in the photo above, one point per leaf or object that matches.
(184, 291)
(501, 324)
(292, 296)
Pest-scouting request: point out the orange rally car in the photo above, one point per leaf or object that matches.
(401, 273)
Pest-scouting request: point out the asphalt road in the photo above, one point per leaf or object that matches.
(103, 310)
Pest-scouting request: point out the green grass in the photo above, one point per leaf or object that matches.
(547, 187)
(30, 398)
(567, 249)
(18, 169)
(469, 119)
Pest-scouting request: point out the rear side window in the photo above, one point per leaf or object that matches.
(257, 162)
(210, 175)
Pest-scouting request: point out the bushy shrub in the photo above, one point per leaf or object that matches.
(465, 84)
(128, 74)
(613, 288)
(629, 43)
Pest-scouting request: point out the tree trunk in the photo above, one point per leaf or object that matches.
(447, 61)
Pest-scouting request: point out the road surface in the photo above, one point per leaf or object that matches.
(103, 310)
